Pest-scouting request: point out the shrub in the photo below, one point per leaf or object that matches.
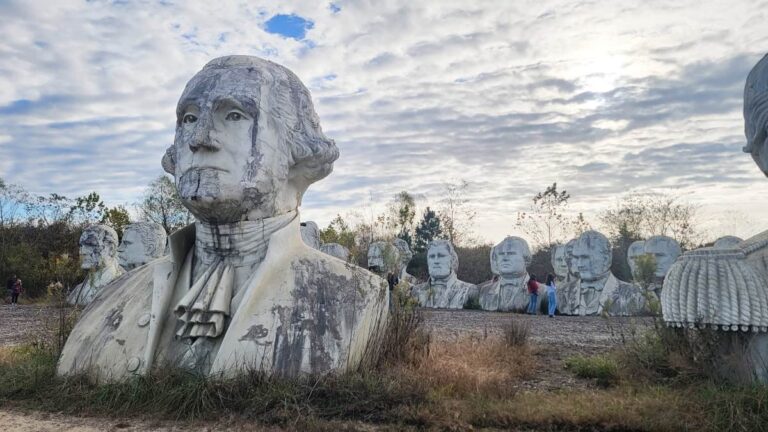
(602, 368)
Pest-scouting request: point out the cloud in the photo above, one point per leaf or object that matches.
(603, 100)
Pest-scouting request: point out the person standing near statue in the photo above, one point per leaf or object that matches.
(533, 292)
(551, 295)
(9, 285)
(15, 291)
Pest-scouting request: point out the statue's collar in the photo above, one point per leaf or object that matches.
(444, 282)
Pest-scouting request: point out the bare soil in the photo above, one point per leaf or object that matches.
(554, 340)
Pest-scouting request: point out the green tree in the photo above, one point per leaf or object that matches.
(162, 205)
(88, 209)
(428, 229)
(117, 218)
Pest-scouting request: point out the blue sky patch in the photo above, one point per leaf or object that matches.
(334, 7)
(290, 26)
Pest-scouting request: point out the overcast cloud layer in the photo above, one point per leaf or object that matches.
(602, 97)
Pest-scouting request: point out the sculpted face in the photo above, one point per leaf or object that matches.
(142, 242)
(131, 250)
(248, 142)
(439, 261)
(97, 246)
(558, 261)
(569, 256)
(665, 250)
(376, 256)
(634, 250)
(511, 257)
(592, 256)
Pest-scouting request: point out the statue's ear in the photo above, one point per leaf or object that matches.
(169, 160)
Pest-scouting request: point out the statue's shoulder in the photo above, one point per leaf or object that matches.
(314, 268)
(462, 285)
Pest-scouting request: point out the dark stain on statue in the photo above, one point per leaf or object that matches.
(324, 304)
(256, 332)
(115, 317)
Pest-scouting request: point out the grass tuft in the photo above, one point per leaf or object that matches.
(516, 333)
(602, 368)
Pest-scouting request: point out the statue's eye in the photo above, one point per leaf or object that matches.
(189, 118)
(234, 116)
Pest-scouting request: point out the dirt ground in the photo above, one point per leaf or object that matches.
(554, 339)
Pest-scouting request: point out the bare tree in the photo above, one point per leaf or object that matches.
(547, 221)
(162, 205)
(456, 215)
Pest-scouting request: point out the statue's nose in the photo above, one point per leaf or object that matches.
(201, 138)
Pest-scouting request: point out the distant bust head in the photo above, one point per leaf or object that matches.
(756, 113)
(558, 261)
(727, 242)
(405, 252)
(98, 246)
(592, 256)
(511, 257)
(310, 233)
(634, 250)
(665, 250)
(142, 242)
(442, 259)
(335, 250)
(569, 256)
(382, 257)
(248, 141)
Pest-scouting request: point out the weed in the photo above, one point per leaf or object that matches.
(516, 332)
(602, 368)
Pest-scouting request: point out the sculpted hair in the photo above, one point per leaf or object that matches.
(447, 244)
(756, 105)
(153, 237)
(510, 239)
(287, 104)
(404, 249)
(666, 242)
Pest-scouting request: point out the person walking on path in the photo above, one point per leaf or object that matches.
(533, 291)
(17, 289)
(551, 295)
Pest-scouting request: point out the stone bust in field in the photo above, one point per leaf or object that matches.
(727, 242)
(382, 257)
(240, 288)
(598, 288)
(310, 233)
(665, 250)
(635, 249)
(98, 255)
(142, 242)
(507, 291)
(559, 264)
(405, 255)
(443, 289)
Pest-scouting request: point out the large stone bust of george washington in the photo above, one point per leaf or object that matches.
(240, 289)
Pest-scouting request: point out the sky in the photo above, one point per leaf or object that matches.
(604, 98)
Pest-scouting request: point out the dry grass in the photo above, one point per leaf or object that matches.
(469, 367)
(516, 332)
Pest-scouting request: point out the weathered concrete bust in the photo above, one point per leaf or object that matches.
(598, 289)
(727, 242)
(335, 250)
(559, 263)
(756, 114)
(240, 290)
(142, 242)
(508, 290)
(665, 250)
(98, 255)
(406, 256)
(382, 257)
(635, 249)
(310, 233)
(443, 289)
